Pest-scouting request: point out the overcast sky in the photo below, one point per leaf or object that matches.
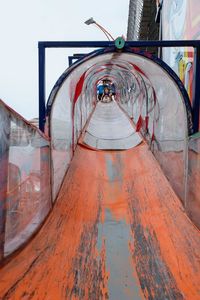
(25, 22)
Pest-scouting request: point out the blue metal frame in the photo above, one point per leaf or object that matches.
(111, 44)
(196, 90)
(74, 57)
(42, 85)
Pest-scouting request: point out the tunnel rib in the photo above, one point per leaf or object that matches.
(109, 128)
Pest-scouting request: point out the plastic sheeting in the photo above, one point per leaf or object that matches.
(69, 114)
(146, 89)
(25, 195)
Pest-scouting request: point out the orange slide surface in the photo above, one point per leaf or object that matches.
(117, 231)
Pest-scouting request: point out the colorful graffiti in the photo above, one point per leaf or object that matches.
(181, 21)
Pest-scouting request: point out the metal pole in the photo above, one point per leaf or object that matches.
(41, 54)
(134, 44)
(70, 60)
(196, 89)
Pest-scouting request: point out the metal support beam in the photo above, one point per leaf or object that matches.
(42, 86)
(76, 44)
(196, 90)
(102, 44)
(76, 57)
(70, 60)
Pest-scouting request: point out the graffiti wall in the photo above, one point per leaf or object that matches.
(181, 21)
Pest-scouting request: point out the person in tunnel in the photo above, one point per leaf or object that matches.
(107, 95)
(106, 83)
(112, 88)
(100, 89)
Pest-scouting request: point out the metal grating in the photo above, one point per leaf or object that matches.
(141, 21)
(134, 19)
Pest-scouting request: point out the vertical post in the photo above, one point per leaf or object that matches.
(160, 33)
(42, 104)
(70, 60)
(196, 89)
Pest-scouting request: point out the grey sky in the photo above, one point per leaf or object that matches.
(25, 22)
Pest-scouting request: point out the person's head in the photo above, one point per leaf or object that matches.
(106, 90)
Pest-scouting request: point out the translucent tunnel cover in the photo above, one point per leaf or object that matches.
(145, 89)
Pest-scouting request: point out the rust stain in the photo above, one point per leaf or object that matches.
(117, 229)
(105, 274)
(164, 236)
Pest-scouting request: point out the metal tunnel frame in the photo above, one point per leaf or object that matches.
(110, 46)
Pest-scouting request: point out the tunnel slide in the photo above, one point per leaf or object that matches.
(116, 227)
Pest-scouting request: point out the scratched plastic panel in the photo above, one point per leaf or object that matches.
(154, 96)
(193, 180)
(25, 165)
(61, 136)
(4, 161)
(68, 117)
(61, 126)
(167, 122)
(82, 111)
(83, 107)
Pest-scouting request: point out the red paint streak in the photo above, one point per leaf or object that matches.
(138, 69)
(79, 87)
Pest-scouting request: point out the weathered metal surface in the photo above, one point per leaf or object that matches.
(109, 128)
(117, 231)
